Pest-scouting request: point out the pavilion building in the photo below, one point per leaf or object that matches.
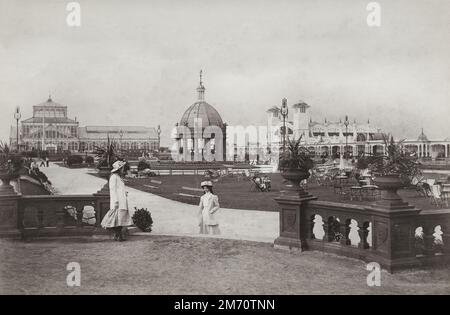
(52, 130)
(330, 139)
(200, 132)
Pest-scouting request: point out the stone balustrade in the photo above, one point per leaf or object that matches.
(395, 238)
(50, 215)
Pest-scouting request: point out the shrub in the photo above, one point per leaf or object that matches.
(142, 218)
(29, 154)
(143, 165)
(74, 159)
(296, 157)
(89, 160)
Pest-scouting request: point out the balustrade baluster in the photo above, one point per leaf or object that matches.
(311, 228)
(79, 209)
(344, 229)
(60, 213)
(40, 218)
(428, 239)
(326, 230)
(363, 234)
(446, 239)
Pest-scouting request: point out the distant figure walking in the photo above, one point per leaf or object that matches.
(42, 163)
(118, 216)
(209, 205)
(47, 161)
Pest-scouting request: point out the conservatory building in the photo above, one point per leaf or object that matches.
(52, 130)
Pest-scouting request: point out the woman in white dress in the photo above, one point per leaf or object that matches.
(118, 216)
(209, 205)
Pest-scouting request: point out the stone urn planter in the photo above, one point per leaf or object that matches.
(295, 177)
(104, 172)
(389, 185)
(5, 178)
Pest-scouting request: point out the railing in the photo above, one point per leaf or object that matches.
(328, 224)
(61, 215)
(396, 239)
(432, 235)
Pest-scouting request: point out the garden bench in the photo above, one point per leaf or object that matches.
(192, 189)
(187, 195)
(151, 187)
(190, 192)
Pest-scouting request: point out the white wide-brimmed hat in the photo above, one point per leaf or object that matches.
(206, 183)
(117, 166)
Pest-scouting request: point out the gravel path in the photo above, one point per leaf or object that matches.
(172, 217)
(184, 265)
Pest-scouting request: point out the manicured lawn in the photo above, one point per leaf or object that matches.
(174, 265)
(235, 193)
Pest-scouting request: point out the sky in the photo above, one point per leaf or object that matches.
(137, 62)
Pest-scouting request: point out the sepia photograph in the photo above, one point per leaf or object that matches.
(222, 154)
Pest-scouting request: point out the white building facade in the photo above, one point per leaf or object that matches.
(330, 139)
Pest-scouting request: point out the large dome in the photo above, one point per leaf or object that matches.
(203, 111)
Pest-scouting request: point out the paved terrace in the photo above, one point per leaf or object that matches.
(172, 217)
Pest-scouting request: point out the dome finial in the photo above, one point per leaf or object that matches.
(49, 96)
(201, 88)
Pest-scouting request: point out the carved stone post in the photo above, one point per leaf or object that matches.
(293, 223)
(428, 240)
(9, 210)
(392, 228)
(363, 234)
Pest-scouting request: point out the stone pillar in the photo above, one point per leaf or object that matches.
(292, 225)
(102, 205)
(393, 228)
(9, 210)
(393, 237)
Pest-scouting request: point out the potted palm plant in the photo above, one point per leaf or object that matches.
(295, 164)
(10, 164)
(106, 156)
(393, 170)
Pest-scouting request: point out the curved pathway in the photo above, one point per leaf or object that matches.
(172, 217)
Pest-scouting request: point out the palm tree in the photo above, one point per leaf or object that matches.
(107, 154)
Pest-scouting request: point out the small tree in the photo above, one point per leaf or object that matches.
(143, 165)
(296, 157)
(89, 160)
(396, 160)
(142, 218)
(107, 154)
(10, 163)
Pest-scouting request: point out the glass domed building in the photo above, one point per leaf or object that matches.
(201, 132)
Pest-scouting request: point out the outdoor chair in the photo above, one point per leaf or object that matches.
(435, 197)
(421, 186)
(257, 184)
(445, 194)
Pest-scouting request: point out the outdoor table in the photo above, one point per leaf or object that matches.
(364, 182)
(369, 191)
(341, 178)
(340, 181)
(445, 193)
(355, 193)
(441, 182)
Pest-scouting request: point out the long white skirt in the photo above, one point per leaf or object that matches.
(114, 218)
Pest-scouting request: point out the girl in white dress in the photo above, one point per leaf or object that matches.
(118, 216)
(209, 205)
